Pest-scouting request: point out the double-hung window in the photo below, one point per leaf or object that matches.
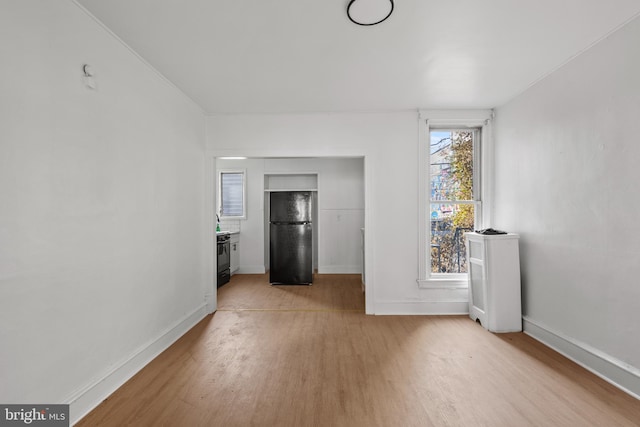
(452, 195)
(232, 194)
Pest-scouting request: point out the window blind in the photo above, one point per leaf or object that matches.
(232, 200)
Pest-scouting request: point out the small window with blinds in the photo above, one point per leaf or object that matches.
(232, 190)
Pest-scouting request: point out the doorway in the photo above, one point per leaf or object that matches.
(339, 201)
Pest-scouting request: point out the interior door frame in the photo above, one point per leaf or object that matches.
(211, 187)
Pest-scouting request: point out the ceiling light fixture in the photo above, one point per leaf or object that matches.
(369, 12)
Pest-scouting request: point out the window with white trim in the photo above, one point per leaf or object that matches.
(232, 194)
(453, 196)
(452, 193)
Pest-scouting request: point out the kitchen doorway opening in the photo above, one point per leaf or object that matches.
(338, 185)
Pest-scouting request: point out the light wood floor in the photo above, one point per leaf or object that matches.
(309, 356)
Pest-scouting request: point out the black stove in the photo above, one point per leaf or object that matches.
(223, 257)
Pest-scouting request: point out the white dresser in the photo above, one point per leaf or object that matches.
(494, 281)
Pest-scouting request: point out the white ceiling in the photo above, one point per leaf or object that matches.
(248, 56)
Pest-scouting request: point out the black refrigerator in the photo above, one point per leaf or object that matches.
(290, 238)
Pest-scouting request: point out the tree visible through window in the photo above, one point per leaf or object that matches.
(452, 200)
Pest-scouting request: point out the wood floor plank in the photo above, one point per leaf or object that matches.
(328, 292)
(309, 356)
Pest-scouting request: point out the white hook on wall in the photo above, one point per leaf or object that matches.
(89, 81)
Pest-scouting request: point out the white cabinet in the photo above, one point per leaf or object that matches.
(363, 266)
(235, 252)
(494, 281)
(291, 182)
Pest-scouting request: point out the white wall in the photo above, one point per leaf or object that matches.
(388, 142)
(340, 187)
(567, 176)
(340, 208)
(102, 213)
(340, 215)
(251, 228)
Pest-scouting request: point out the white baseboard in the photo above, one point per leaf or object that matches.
(422, 308)
(340, 269)
(610, 369)
(86, 399)
(251, 269)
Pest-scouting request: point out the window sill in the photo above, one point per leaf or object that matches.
(458, 282)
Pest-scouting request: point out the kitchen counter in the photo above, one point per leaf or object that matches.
(227, 232)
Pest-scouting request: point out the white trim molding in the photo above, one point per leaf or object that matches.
(610, 369)
(340, 269)
(433, 308)
(86, 399)
(454, 118)
(251, 269)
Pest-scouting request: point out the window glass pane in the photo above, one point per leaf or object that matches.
(449, 222)
(451, 165)
(231, 186)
